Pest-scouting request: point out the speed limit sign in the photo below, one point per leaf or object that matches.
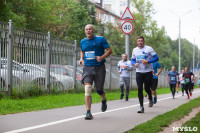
(127, 27)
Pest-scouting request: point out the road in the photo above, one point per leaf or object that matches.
(120, 116)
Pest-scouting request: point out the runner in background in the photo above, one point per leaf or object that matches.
(187, 76)
(124, 67)
(192, 84)
(199, 82)
(172, 80)
(181, 81)
(154, 84)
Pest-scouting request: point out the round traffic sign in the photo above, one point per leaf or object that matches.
(127, 27)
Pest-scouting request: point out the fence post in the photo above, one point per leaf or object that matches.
(131, 78)
(75, 65)
(110, 67)
(47, 83)
(10, 57)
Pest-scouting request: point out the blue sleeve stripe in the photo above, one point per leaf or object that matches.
(155, 58)
(133, 61)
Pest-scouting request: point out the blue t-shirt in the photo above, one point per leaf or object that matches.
(172, 77)
(156, 66)
(92, 48)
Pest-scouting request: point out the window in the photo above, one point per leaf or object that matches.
(112, 19)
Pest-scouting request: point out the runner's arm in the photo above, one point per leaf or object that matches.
(81, 58)
(105, 55)
(118, 67)
(167, 78)
(159, 70)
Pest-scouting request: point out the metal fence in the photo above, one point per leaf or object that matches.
(112, 75)
(33, 58)
(29, 58)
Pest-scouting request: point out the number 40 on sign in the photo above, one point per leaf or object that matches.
(127, 27)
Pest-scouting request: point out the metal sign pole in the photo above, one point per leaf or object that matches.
(127, 38)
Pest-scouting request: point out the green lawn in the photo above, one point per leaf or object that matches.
(9, 106)
(157, 123)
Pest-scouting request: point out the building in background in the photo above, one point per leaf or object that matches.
(115, 6)
(105, 15)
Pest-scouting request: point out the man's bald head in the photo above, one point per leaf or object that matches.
(89, 25)
(89, 31)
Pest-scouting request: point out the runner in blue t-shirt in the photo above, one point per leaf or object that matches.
(93, 54)
(172, 80)
(154, 84)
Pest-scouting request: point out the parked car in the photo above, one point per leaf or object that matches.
(21, 74)
(79, 71)
(64, 70)
(61, 82)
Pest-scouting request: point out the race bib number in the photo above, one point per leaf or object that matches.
(187, 80)
(124, 67)
(90, 55)
(173, 78)
(140, 57)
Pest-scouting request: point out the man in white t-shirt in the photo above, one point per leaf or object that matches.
(181, 80)
(142, 58)
(124, 67)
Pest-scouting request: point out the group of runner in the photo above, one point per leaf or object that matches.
(144, 59)
(185, 80)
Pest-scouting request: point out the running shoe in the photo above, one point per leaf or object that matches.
(190, 93)
(150, 103)
(126, 98)
(121, 97)
(155, 100)
(103, 106)
(88, 116)
(141, 110)
(188, 97)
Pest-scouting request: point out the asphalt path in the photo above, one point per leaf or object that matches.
(119, 117)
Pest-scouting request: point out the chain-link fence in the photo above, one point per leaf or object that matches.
(29, 58)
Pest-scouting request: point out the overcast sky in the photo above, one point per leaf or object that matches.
(190, 23)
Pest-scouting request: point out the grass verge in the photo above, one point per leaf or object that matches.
(10, 106)
(193, 123)
(157, 123)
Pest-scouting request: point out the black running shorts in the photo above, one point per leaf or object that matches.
(154, 84)
(94, 74)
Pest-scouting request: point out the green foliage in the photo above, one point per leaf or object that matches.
(66, 19)
(115, 38)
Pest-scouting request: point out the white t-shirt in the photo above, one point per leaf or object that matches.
(180, 78)
(191, 78)
(124, 67)
(145, 53)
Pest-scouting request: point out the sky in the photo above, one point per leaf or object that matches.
(190, 23)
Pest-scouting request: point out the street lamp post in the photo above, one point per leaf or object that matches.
(194, 56)
(179, 63)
